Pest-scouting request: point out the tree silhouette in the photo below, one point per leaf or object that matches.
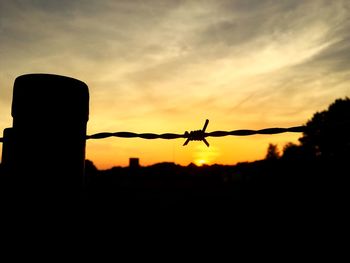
(292, 151)
(327, 134)
(272, 152)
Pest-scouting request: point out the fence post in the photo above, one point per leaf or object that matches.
(47, 140)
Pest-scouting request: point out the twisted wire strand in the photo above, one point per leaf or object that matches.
(254, 132)
(197, 135)
(148, 136)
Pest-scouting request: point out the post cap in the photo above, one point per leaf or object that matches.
(48, 96)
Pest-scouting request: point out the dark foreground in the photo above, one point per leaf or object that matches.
(273, 183)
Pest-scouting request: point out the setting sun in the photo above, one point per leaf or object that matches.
(200, 162)
(205, 155)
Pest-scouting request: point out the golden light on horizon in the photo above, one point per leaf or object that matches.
(205, 155)
(200, 162)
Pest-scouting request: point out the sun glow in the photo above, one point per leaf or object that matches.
(205, 155)
(200, 162)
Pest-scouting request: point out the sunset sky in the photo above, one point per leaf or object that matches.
(166, 66)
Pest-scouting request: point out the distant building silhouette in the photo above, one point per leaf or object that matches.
(134, 163)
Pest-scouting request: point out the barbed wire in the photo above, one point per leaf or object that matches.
(198, 135)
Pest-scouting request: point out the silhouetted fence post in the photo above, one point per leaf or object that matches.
(44, 151)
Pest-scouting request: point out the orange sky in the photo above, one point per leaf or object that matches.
(166, 66)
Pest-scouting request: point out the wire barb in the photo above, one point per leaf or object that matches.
(198, 135)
